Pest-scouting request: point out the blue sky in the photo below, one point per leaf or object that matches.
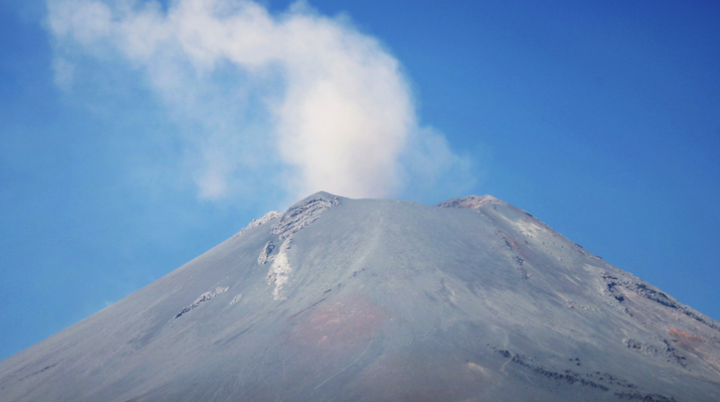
(118, 166)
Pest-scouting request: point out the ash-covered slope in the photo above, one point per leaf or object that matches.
(383, 300)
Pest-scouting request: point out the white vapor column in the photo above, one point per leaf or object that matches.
(338, 114)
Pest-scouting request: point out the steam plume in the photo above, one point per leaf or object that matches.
(309, 94)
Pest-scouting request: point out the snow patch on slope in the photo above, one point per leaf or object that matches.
(528, 228)
(203, 298)
(266, 253)
(302, 214)
(257, 222)
(236, 299)
(298, 216)
(279, 273)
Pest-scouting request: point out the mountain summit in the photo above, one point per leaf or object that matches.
(383, 300)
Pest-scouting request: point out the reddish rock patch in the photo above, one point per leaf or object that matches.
(337, 322)
(685, 340)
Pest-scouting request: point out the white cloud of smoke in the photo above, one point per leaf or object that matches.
(305, 92)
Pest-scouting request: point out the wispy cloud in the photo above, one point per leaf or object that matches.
(307, 98)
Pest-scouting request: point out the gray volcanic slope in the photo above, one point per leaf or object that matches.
(383, 300)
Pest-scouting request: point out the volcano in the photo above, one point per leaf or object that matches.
(340, 299)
